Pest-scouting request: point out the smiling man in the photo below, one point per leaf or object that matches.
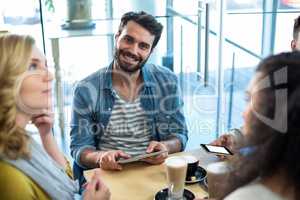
(130, 107)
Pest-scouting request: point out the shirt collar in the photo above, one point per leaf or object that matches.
(107, 77)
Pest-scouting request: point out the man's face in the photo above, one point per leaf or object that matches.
(133, 47)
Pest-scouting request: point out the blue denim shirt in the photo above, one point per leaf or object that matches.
(94, 100)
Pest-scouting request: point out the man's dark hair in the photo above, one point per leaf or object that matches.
(144, 19)
(296, 29)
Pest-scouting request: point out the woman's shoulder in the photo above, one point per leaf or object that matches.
(253, 191)
(16, 185)
(9, 173)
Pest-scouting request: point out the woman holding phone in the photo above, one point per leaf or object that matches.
(271, 130)
(29, 170)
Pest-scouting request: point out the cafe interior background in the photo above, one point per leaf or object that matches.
(212, 45)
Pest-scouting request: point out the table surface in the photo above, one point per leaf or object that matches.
(138, 181)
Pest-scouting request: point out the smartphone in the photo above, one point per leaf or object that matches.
(220, 150)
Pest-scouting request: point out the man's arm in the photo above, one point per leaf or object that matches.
(82, 136)
(177, 137)
(89, 157)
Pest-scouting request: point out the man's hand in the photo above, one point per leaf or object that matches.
(108, 160)
(96, 189)
(156, 146)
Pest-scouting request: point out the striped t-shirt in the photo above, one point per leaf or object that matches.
(128, 128)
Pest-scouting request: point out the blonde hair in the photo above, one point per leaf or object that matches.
(15, 52)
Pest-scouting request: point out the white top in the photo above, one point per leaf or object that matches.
(255, 191)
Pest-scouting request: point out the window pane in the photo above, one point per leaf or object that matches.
(22, 19)
(288, 11)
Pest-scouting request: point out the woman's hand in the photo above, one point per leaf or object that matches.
(226, 140)
(96, 189)
(44, 122)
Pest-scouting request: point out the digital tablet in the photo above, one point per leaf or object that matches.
(140, 157)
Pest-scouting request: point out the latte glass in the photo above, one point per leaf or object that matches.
(176, 168)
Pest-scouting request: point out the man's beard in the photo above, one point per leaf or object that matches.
(125, 67)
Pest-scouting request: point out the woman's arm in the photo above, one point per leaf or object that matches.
(52, 149)
(44, 124)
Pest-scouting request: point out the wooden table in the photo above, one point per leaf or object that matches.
(141, 181)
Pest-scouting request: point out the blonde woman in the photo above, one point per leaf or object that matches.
(29, 170)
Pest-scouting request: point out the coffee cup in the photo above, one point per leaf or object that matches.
(216, 174)
(192, 162)
(176, 168)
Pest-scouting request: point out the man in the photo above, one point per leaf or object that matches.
(231, 139)
(128, 108)
(295, 43)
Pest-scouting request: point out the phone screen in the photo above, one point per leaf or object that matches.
(216, 149)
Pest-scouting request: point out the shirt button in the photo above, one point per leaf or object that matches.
(109, 109)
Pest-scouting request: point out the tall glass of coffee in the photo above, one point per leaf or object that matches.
(176, 167)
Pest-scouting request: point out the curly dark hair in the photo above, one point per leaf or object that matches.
(275, 150)
(144, 19)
